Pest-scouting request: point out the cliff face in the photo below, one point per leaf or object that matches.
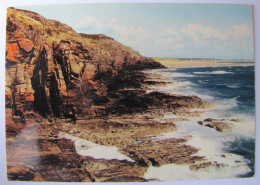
(58, 73)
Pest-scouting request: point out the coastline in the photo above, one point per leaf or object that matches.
(185, 63)
(146, 134)
(217, 144)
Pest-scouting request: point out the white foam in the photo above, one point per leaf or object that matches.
(203, 81)
(184, 83)
(226, 104)
(245, 127)
(210, 144)
(88, 148)
(213, 72)
(169, 74)
(173, 172)
(233, 86)
(184, 88)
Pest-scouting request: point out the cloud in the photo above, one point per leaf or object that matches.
(191, 39)
(237, 39)
(127, 34)
(168, 38)
(85, 22)
(198, 32)
(241, 31)
(169, 31)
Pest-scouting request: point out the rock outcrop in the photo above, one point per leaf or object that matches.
(48, 64)
(221, 125)
(38, 154)
(157, 153)
(109, 132)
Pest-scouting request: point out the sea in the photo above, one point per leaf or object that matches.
(232, 91)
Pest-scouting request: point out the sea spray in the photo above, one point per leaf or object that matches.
(231, 89)
(211, 144)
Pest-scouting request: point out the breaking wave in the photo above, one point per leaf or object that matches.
(213, 72)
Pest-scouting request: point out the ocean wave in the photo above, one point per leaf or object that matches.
(203, 81)
(210, 144)
(214, 72)
(232, 86)
(174, 74)
(183, 172)
(246, 126)
(214, 145)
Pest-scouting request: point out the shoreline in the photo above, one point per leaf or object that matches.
(135, 135)
(228, 162)
(131, 128)
(186, 63)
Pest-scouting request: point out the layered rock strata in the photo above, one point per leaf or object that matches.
(157, 153)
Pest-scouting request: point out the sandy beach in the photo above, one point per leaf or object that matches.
(175, 62)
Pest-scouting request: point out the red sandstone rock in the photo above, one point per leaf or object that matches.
(29, 97)
(26, 44)
(12, 52)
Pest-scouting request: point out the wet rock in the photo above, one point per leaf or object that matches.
(157, 153)
(24, 173)
(109, 132)
(176, 119)
(220, 125)
(114, 171)
(205, 165)
(131, 101)
(189, 114)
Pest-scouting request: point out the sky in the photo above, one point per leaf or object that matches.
(221, 31)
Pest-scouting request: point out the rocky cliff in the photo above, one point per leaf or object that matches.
(93, 88)
(58, 73)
